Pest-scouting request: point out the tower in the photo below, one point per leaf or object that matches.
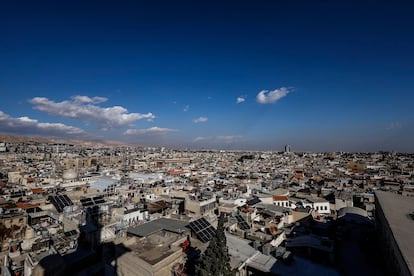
(288, 149)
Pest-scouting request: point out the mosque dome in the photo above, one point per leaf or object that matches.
(70, 174)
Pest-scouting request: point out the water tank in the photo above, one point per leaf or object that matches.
(266, 249)
(30, 233)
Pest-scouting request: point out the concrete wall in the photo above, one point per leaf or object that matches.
(321, 206)
(395, 263)
(196, 206)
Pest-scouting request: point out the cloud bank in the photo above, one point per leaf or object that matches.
(227, 139)
(149, 131)
(26, 125)
(84, 108)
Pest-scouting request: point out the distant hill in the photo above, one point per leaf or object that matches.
(30, 139)
(21, 139)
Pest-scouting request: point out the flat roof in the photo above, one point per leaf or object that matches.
(102, 183)
(240, 251)
(396, 209)
(154, 248)
(146, 229)
(228, 205)
(273, 208)
(316, 199)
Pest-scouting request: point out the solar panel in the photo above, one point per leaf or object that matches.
(98, 200)
(70, 233)
(253, 201)
(242, 222)
(86, 202)
(17, 194)
(60, 202)
(203, 229)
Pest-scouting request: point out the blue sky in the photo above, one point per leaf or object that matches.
(318, 75)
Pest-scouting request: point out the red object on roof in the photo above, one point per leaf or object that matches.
(280, 198)
(37, 190)
(273, 230)
(175, 172)
(24, 205)
(185, 245)
(298, 175)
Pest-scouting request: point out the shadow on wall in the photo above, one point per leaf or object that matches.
(91, 256)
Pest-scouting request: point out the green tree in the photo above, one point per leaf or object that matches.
(216, 259)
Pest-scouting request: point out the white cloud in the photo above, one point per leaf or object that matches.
(85, 108)
(394, 125)
(186, 108)
(26, 125)
(268, 97)
(86, 99)
(200, 138)
(227, 139)
(240, 99)
(200, 120)
(149, 131)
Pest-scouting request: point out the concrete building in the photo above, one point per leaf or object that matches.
(343, 199)
(321, 205)
(153, 249)
(200, 207)
(288, 148)
(13, 221)
(245, 260)
(282, 201)
(395, 227)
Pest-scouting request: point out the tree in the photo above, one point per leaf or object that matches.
(216, 259)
